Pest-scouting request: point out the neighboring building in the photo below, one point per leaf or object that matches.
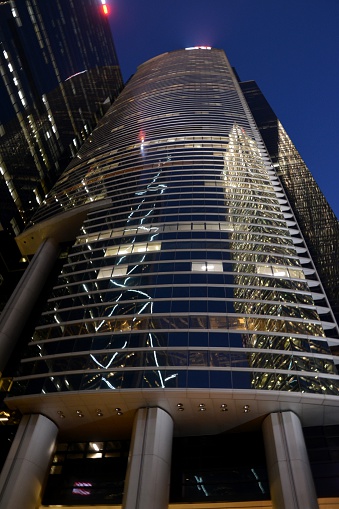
(319, 225)
(59, 74)
(188, 307)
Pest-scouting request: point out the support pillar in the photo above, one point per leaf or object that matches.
(27, 465)
(289, 472)
(149, 464)
(17, 310)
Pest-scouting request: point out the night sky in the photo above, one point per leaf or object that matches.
(290, 48)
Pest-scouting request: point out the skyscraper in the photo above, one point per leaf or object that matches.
(59, 74)
(189, 306)
(319, 225)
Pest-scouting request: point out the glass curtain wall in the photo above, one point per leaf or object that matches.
(193, 272)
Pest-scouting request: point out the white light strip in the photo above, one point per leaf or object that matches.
(199, 47)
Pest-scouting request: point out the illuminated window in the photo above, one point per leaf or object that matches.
(198, 226)
(133, 248)
(95, 450)
(104, 235)
(268, 270)
(106, 272)
(185, 226)
(264, 269)
(114, 250)
(120, 270)
(296, 273)
(153, 246)
(209, 266)
(212, 226)
(117, 233)
(280, 272)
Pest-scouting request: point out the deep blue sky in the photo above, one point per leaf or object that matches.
(290, 47)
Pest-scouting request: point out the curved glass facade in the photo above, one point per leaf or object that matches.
(193, 273)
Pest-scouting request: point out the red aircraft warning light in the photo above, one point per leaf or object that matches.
(105, 9)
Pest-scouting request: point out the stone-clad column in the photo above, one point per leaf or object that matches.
(149, 464)
(289, 472)
(27, 465)
(17, 310)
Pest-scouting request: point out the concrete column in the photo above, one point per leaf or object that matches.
(27, 465)
(17, 310)
(149, 464)
(289, 472)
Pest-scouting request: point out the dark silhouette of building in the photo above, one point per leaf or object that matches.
(59, 74)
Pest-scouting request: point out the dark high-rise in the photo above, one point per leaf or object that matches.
(188, 325)
(59, 74)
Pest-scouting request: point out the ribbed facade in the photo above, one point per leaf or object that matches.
(192, 272)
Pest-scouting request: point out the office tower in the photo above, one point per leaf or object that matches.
(319, 225)
(59, 74)
(188, 308)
